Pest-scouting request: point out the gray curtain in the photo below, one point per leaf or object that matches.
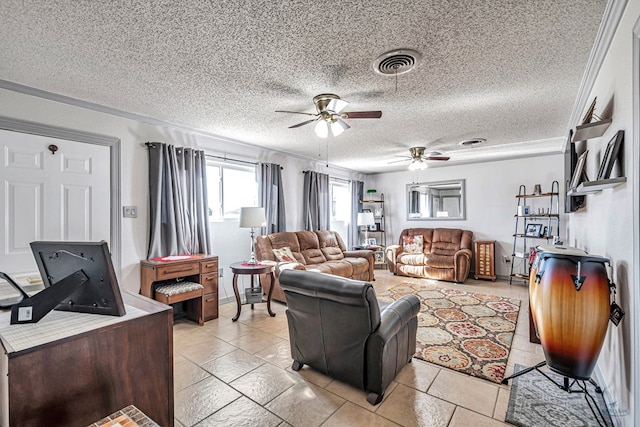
(179, 223)
(357, 194)
(316, 201)
(271, 197)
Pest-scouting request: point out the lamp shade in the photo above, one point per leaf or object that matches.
(251, 217)
(365, 218)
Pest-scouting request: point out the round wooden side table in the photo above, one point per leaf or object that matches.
(240, 268)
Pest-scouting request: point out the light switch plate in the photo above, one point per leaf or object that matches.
(129, 211)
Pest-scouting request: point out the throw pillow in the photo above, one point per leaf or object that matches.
(284, 254)
(412, 244)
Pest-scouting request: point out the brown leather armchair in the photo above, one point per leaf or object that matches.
(337, 328)
(445, 254)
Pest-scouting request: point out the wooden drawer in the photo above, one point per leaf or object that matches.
(211, 306)
(210, 282)
(172, 271)
(209, 266)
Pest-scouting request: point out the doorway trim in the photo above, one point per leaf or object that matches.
(635, 186)
(22, 126)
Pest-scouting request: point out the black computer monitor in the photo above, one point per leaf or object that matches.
(99, 294)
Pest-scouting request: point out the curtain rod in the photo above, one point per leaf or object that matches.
(225, 158)
(333, 177)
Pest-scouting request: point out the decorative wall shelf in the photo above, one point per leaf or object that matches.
(595, 186)
(591, 130)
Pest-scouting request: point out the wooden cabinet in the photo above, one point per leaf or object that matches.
(485, 266)
(71, 369)
(201, 268)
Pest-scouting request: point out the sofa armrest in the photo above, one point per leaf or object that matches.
(363, 253)
(462, 264)
(391, 254)
(393, 344)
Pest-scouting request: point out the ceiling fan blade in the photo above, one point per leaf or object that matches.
(337, 105)
(399, 161)
(295, 112)
(437, 158)
(363, 115)
(306, 122)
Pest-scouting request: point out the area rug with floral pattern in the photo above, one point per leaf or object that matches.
(465, 331)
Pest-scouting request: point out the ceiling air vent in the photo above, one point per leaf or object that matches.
(396, 62)
(472, 142)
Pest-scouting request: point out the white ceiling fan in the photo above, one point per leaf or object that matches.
(330, 117)
(418, 159)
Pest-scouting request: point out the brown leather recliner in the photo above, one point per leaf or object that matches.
(337, 328)
(321, 251)
(445, 254)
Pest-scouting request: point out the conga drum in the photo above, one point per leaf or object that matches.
(535, 267)
(571, 309)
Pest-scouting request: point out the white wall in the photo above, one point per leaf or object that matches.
(490, 197)
(230, 243)
(604, 227)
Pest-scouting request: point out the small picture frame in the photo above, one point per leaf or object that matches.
(377, 212)
(610, 156)
(533, 230)
(373, 227)
(371, 241)
(577, 173)
(378, 257)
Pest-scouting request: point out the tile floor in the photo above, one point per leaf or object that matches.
(239, 374)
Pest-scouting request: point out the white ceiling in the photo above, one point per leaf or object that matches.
(507, 71)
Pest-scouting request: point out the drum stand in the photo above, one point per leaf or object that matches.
(567, 386)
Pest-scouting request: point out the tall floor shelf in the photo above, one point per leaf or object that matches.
(376, 205)
(537, 220)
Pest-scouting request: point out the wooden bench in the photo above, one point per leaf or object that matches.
(191, 292)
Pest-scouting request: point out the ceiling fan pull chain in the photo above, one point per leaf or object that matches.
(327, 151)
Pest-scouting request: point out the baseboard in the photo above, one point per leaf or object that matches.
(617, 414)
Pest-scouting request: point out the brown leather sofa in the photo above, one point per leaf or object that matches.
(445, 254)
(337, 327)
(322, 251)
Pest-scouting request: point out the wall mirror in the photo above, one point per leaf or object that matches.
(443, 200)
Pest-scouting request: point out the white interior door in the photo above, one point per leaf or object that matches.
(45, 196)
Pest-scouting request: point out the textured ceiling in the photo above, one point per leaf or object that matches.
(507, 71)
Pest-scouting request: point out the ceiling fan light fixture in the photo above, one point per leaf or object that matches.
(322, 129)
(338, 126)
(417, 164)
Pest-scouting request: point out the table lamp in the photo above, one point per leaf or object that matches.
(365, 219)
(252, 217)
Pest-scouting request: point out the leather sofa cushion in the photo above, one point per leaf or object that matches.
(446, 241)
(340, 268)
(310, 247)
(313, 256)
(411, 259)
(440, 261)
(281, 240)
(332, 253)
(360, 266)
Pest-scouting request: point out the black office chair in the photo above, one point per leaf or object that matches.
(337, 328)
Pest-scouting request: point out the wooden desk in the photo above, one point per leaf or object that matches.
(85, 376)
(201, 268)
(240, 268)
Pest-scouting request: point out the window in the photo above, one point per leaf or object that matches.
(340, 201)
(230, 187)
